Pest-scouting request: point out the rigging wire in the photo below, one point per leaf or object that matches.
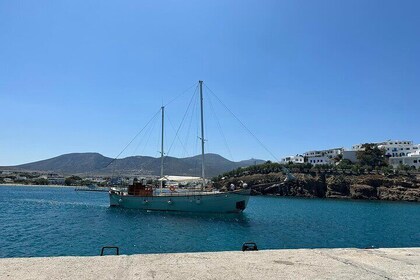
(148, 132)
(172, 100)
(220, 127)
(192, 117)
(133, 139)
(183, 118)
(177, 136)
(249, 131)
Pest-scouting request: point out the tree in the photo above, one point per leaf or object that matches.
(371, 156)
(72, 180)
(338, 158)
(345, 164)
(40, 181)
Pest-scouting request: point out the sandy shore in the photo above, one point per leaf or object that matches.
(398, 263)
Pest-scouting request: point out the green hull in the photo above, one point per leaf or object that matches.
(227, 202)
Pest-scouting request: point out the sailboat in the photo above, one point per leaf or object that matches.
(148, 197)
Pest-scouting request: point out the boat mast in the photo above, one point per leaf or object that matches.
(202, 133)
(161, 149)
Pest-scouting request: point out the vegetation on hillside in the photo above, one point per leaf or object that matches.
(371, 160)
(77, 181)
(372, 156)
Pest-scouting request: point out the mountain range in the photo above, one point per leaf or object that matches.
(97, 164)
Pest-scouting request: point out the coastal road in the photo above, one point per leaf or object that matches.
(396, 263)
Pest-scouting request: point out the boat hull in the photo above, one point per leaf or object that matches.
(228, 202)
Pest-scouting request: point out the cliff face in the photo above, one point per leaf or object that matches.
(371, 186)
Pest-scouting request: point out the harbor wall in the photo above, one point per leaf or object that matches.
(395, 263)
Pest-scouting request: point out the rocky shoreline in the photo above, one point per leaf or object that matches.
(326, 185)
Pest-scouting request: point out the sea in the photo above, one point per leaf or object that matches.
(58, 221)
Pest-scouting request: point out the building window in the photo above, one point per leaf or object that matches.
(415, 161)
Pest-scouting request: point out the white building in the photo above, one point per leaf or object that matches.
(330, 153)
(319, 160)
(412, 160)
(398, 148)
(393, 148)
(415, 153)
(293, 159)
(400, 152)
(323, 156)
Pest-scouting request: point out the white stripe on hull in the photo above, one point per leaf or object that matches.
(229, 202)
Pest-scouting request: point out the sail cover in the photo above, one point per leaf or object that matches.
(180, 178)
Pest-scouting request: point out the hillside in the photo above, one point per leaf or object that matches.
(68, 163)
(95, 163)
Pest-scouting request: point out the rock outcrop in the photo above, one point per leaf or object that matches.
(367, 186)
(362, 192)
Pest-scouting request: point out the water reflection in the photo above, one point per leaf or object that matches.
(242, 219)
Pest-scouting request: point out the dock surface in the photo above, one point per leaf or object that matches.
(396, 263)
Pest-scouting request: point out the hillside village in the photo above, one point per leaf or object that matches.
(376, 171)
(398, 153)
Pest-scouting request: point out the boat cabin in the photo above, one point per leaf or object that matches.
(140, 189)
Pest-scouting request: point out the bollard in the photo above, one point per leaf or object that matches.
(249, 246)
(110, 247)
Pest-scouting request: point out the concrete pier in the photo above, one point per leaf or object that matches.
(399, 263)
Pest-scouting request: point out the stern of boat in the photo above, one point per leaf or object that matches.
(242, 200)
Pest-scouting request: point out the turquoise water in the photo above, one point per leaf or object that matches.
(38, 221)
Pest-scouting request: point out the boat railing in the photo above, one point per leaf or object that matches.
(186, 192)
(172, 193)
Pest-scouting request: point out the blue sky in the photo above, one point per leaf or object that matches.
(85, 76)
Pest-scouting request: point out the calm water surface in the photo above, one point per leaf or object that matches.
(38, 221)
